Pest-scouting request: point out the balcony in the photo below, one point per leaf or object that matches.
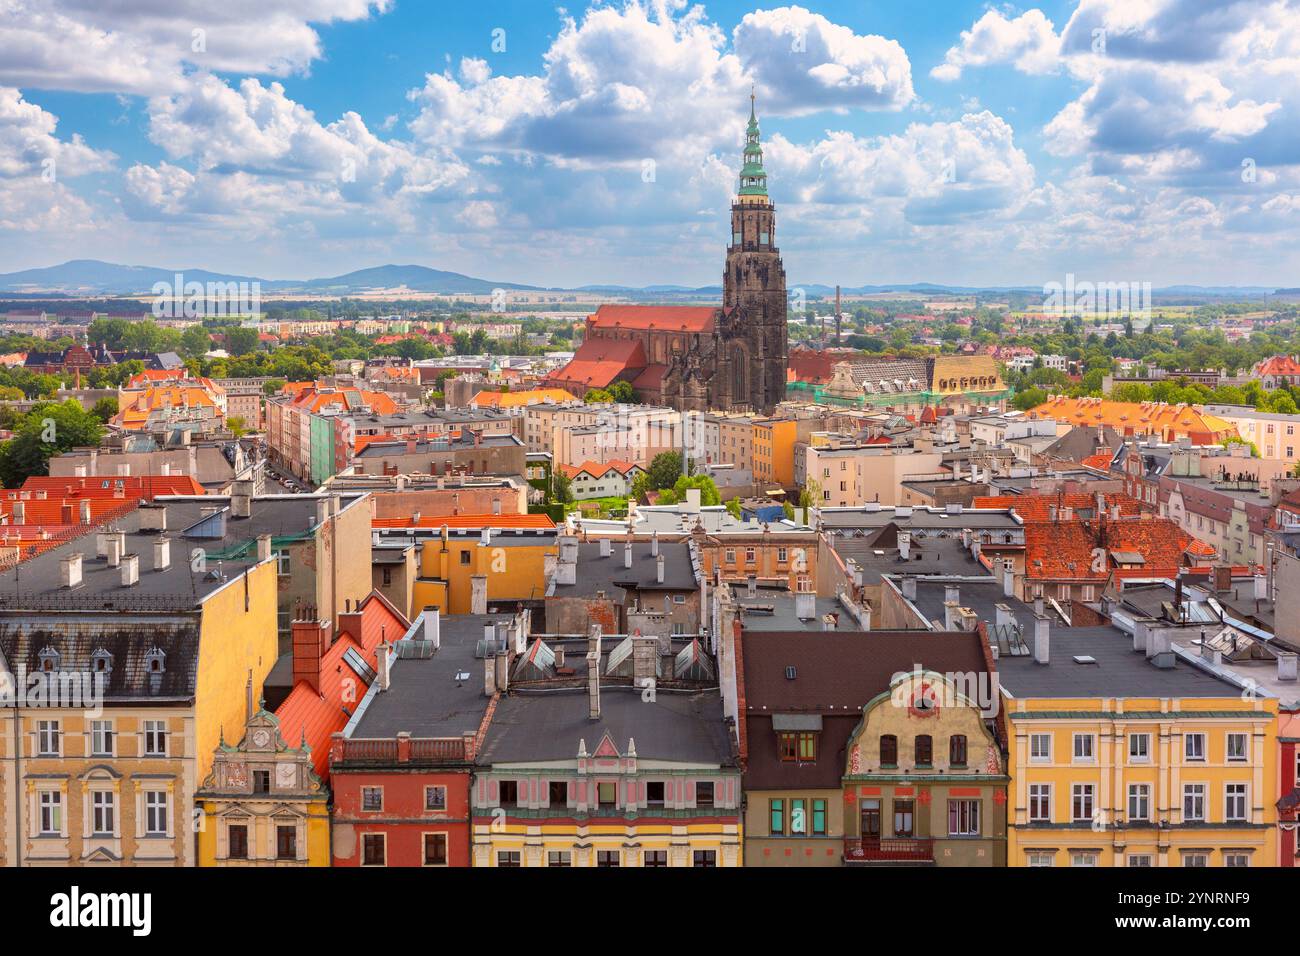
(889, 850)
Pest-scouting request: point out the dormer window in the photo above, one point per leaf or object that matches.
(798, 747)
(48, 659)
(155, 662)
(101, 662)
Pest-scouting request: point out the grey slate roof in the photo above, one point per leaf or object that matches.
(596, 573)
(678, 726)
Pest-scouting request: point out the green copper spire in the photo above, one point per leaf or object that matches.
(753, 178)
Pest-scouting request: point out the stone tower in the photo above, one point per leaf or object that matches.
(752, 359)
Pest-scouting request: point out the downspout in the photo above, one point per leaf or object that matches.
(17, 804)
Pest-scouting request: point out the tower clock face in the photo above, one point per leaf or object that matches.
(261, 737)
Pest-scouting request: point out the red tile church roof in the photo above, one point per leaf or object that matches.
(666, 318)
(599, 362)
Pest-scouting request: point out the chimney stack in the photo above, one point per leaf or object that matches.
(70, 570)
(433, 627)
(654, 543)
(19, 513)
(645, 659)
(627, 554)
(311, 639)
(593, 673)
(384, 665)
(162, 554)
(805, 605)
(153, 517)
(909, 587)
(751, 585)
(263, 548)
(606, 547)
(1286, 667)
(951, 611)
(130, 570)
(478, 594)
(659, 569)
(113, 550)
(1042, 639)
(1008, 578)
(489, 674)
(905, 545)
(85, 511)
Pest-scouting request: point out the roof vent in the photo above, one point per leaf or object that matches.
(1084, 659)
(790, 673)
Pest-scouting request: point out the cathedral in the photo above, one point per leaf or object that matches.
(695, 358)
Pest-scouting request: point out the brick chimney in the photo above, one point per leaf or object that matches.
(593, 673)
(311, 639)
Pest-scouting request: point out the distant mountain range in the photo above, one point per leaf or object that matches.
(83, 277)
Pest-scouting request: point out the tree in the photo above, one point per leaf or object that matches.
(664, 470)
(623, 393)
(105, 409)
(677, 493)
(241, 341)
(598, 396)
(1029, 398)
(733, 507)
(238, 425)
(561, 487)
(49, 429)
(196, 341)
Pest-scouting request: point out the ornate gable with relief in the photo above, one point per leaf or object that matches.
(262, 765)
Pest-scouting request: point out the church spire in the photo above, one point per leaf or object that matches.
(753, 178)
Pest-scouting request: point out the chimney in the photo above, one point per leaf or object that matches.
(805, 605)
(909, 587)
(549, 563)
(503, 670)
(85, 511)
(153, 517)
(654, 543)
(1042, 638)
(692, 501)
(951, 593)
(433, 627)
(1003, 617)
(905, 545)
(1140, 631)
(322, 510)
(951, 617)
(627, 554)
(967, 620)
(566, 572)
(130, 570)
(1008, 578)
(478, 594)
(311, 639)
(241, 500)
(1039, 605)
(606, 547)
(113, 550)
(19, 513)
(751, 585)
(1222, 578)
(1286, 667)
(496, 506)
(70, 571)
(489, 674)
(645, 657)
(383, 665)
(1159, 652)
(659, 569)
(593, 673)
(162, 554)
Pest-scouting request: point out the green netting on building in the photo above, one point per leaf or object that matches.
(237, 551)
(811, 392)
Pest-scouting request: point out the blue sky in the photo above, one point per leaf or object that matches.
(948, 142)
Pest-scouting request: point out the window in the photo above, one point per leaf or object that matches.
(903, 818)
(1196, 859)
(730, 555)
(704, 793)
(1081, 802)
(798, 746)
(924, 750)
(963, 818)
(51, 815)
(374, 849)
(155, 813)
(1194, 747)
(559, 858)
(1237, 752)
(435, 849)
(798, 817)
(155, 738)
(1083, 858)
(286, 842)
(1235, 803)
(1194, 803)
(654, 793)
(435, 798)
(608, 858)
(372, 799)
(1139, 802)
(655, 858)
(464, 559)
(261, 781)
(957, 750)
(1139, 748)
(1040, 803)
(819, 817)
(510, 793)
(103, 804)
(1138, 859)
(1040, 747)
(1083, 747)
(776, 817)
(782, 555)
(101, 738)
(508, 858)
(705, 858)
(237, 841)
(47, 738)
(1236, 859)
(889, 751)
(388, 577)
(749, 555)
(1038, 859)
(606, 794)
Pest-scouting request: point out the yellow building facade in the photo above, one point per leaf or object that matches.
(1142, 781)
(507, 566)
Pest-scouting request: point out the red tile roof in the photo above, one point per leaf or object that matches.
(1038, 507)
(1064, 550)
(466, 521)
(670, 318)
(599, 362)
(1277, 365)
(315, 715)
(107, 486)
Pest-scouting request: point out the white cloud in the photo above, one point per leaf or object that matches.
(1029, 41)
(147, 46)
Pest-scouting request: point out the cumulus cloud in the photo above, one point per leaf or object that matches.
(1029, 41)
(147, 46)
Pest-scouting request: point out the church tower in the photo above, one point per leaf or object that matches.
(754, 360)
